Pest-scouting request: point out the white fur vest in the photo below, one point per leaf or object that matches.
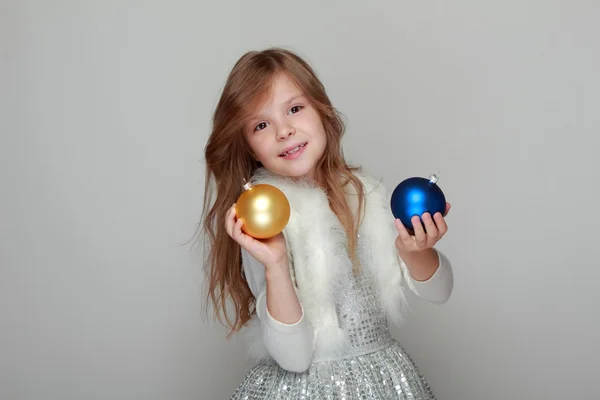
(319, 261)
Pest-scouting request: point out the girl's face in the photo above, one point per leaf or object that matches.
(286, 133)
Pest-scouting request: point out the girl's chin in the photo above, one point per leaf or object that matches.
(296, 174)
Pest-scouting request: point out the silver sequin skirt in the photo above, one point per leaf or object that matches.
(384, 374)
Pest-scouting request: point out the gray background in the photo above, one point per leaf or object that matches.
(105, 110)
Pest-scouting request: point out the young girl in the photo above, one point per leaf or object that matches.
(316, 300)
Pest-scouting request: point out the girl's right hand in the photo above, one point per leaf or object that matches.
(270, 252)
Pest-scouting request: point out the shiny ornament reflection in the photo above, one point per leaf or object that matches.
(415, 196)
(264, 209)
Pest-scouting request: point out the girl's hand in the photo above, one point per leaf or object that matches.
(270, 252)
(436, 228)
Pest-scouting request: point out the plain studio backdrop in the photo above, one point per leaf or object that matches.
(105, 112)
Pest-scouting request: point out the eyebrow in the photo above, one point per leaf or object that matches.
(257, 117)
(296, 97)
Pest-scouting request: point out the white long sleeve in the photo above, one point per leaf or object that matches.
(438, 288)
(290, 345)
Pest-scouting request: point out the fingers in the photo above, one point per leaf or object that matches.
(402, 232)
(430, 226)
(230, 220)
(427, 230)
(237, 235)
(233, 226)
(448, 206)
(431, 229)
(440, 222)
(420, 235)
(404, 240)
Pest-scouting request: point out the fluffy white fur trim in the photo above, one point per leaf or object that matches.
(330, 343)
(319, 262)
(316, 241)
(382, 256)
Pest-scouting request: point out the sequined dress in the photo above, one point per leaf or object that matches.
(377, 367)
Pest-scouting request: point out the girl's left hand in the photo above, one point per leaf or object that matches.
(436, 228)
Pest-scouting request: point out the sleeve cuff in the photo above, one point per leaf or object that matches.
(438, 287)
(282, 327)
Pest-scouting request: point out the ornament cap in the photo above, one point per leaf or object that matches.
(247, 185)
(434, 177)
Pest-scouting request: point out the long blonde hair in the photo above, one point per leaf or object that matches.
(229, 161)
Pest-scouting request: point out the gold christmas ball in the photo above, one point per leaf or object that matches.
(264, 209)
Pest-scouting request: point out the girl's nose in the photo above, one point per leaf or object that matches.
(286, 132)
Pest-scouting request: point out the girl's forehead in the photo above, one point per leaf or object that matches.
(280, 92)
(283, 86)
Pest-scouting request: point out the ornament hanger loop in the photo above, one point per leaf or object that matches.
(434, 177)
(247, 185)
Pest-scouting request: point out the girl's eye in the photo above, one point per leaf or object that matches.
(295, 109)
(260, 126)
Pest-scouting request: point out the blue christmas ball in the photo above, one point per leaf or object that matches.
(415, 196)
